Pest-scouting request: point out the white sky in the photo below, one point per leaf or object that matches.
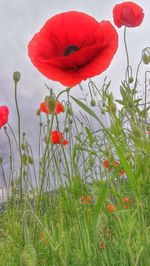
(21, 19)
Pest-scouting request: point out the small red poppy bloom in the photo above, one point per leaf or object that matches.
(72, 47)
(59, 108)
(111, 207)
(107, 166)
(57, 138)
(128, 14)
(4, 112)
(125, 199)
(82, 200)
(102, 245)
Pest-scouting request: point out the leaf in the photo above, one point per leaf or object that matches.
(99, 204)
(90, 136)
(86, 108)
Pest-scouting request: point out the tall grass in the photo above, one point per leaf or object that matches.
(69, 208)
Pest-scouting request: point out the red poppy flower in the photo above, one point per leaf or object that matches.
(57, 138)
(59, 108)
(128, 14)
(125, 199)
(72, 47)
(111, 207)
(4, 112)
(107, 166)
(102, 245)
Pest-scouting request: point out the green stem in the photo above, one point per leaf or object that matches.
(127, 55)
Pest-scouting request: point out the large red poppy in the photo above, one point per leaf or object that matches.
(72, 47)
(4, 112)
(128, 14)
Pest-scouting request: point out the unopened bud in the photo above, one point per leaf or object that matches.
(70, 111)
(16, 76)
(146, 59)
(113, 108)
(130, 80)
(66, 129)
(50, 104)
(38, 112)
(70, 121)
(93, 102)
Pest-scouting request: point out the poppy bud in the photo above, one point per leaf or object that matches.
(30, 160)
(66, 129)
(93, 102)
(130, 104)
(130, 80)
(146, 59)
(24, 159)
(70, 121)
(113, 108)
(38, 112)
(70, 111)
(16, 76)
(50, 103)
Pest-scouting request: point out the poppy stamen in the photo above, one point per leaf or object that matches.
(71, 49)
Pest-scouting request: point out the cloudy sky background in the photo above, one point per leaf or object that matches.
(19, 21)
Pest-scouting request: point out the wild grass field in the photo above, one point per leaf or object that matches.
(85, 199)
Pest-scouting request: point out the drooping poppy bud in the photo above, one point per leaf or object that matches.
(50, 103)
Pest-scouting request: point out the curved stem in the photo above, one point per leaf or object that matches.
(127, 55)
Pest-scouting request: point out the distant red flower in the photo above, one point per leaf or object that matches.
(59, 108)
(111, 207)
(125, 199)
(128, 14)
(4, 112)
(86, 200)
(72, 47)
(56, 137)
(106, 164)
(102, 245)
(82, 200)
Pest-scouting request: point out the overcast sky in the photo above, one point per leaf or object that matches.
(20, 20)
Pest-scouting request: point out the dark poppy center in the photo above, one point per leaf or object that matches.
(71, 49)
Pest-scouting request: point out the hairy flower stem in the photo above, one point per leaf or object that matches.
(19, 146)
(127, 55)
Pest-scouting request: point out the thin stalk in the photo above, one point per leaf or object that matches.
(19, 145)
(127, 55)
